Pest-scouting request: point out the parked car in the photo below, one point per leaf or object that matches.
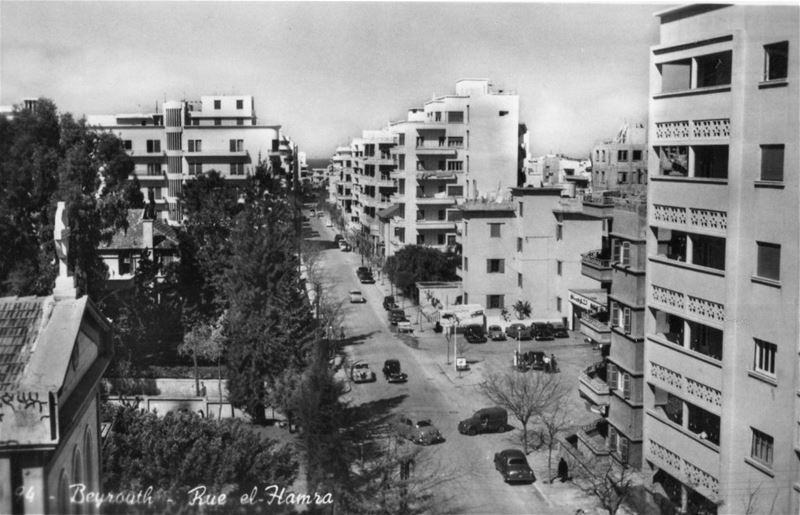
(532, 360)
(541, 331)
(392, 371)
(518, 331)
(474, 334)
(338, 238)
(484, 421)
(559, 330)
(361, 373)
(496, 333)
(344, 246)
(356, 297)
(422, 432)
(397, 315)
(513, 466)
(389, 303)
(367, 279)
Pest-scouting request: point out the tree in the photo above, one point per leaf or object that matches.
(522, 309)
(205, 342)
(415, 263)
(611, 484)
(183, 450)
(554, 420)
(525, 395)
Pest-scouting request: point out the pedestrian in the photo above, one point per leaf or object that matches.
(546, 360)
(553, 364)
(563, 470)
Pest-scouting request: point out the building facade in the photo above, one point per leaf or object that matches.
(722, 414)
(621, 163)
(188, 138)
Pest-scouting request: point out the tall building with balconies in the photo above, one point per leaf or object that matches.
(340, 185)
(722, 412)
(455, 147)
(188, 138)
(373, 185)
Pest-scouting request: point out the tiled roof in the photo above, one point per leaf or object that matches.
(164, 236)
(20, 324)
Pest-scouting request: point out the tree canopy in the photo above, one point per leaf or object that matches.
(414, 263)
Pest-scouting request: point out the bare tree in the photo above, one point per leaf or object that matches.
(525, 395)
(207, 342)
(554, 420)
(610, 483)
(752, 503)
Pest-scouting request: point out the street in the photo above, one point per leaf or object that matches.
(473, 485)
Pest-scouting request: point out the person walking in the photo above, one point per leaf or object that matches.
(553, 364)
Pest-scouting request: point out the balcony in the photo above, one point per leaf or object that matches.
(595, 329)
(683, 455)
(216, 152)
(435, 225)
(435, 149)
(438, 199)
(380, 160)
(596, 266)
(593, 387)
(384, 183)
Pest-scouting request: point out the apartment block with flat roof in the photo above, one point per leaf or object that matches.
(189, 138)
(722, 414)
(620, 163)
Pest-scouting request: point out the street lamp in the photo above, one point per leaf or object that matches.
(456, 323)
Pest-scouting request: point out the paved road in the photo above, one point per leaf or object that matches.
(473, 486)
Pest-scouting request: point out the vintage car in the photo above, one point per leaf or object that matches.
(389, 303)
(496, 334)
(474, 334)
(361, 373)
(558, 330)
(541, 331)
(518, 331)
(356, 297)
(422, 432)
(392, 371)
(513, 466)
(396, 316)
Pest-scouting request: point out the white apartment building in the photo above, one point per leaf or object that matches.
(722, 375)
(188, 138)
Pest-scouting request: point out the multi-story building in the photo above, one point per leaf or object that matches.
(722, 412)
(526, 248)
(373, 184)
(340, 185)
(455, 147)
(621, 163)
(613, 387)
(555, 169)
(188, 138)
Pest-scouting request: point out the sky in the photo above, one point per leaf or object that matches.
(325, 71)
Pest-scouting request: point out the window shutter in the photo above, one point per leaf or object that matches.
(612, 439)
(623, 449)
(612, 376)
(625, 257)
(627, 320)
(502, 266)
(488, 266)
(626, 386)
(614, 314)
(615, 251)
(233, 145)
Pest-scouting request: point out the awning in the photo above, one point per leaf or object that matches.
(389, 211)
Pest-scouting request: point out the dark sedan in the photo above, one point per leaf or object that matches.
(513, 466)
(519, 331)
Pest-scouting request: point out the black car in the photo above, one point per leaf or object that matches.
(517, 331)
(532, 360)
(392, 371)
(337, 238)
(513, 466)
(397, 315)
(541, 331)
(558, 330)
(389, 303)
(367, 279)
(474, 334)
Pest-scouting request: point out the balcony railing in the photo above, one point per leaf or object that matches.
(593, 259)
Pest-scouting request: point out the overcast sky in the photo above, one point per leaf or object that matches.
(326, 71)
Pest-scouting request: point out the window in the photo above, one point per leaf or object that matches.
(625, 253)
(495, 266)
(761, 448)
(494, 301)
(714, 69)
(776, 61)
(623, 449)
(519, 244)
(420, 239)
(158, 193)
(401, 161)
(622, 177)
(705, 340)
(237, 168)
(240, 121)
(676, 76)
(559, 231)
(494, 230)
(764, 361)
(769, 261)
(153, 146)
(558, 304)
(559, 265)
(466, 264)
(442, 214)
(440, 239)
(637, 155)
(454, 166)
(402, 139)
(437, 116)
(622, 155)
(217, 121)
(614, 314)
(195, 169)
(240, 104)
(613, 376)
(708, 251)
(217, 104)
(673, 160)
(455, 116)
(626, 385)
(711, 161)
(772, 162)
(128, 144)
(519, 280)
(153, 168)
(236, 145)
(195, 145)
(502, 113)
(455, 142)
(626, 320)
(369, 150)
(520, 209)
